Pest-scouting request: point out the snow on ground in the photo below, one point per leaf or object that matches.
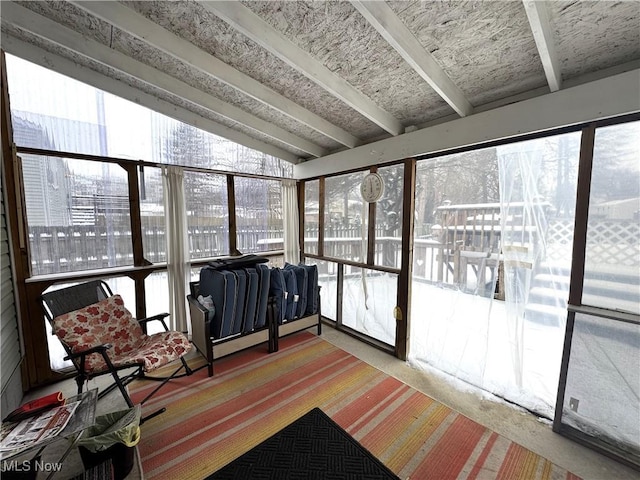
(473, 343)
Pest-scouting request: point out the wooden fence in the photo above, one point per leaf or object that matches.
(64, 249)
(88, 247)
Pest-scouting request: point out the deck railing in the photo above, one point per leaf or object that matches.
(469, 232)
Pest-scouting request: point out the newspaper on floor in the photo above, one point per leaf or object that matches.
(38, 429)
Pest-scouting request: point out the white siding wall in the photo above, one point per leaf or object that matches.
(10, 377)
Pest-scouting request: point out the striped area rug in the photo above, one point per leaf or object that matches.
(211, 421)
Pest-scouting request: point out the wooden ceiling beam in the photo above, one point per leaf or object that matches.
(252, 26)
(56, 33)
(127, 20)
(543, 35)
(387, 23)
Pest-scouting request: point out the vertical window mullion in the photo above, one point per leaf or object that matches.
(406, 267)
(321, 207)
(136, 236)
(134, 213)
(582, 214)
(301, 209)
(231, 203)
(371, 229)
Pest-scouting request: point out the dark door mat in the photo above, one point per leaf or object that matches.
(313, 447)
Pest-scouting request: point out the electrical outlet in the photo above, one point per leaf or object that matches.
(573, 404)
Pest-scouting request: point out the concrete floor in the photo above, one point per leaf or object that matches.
(515, 424)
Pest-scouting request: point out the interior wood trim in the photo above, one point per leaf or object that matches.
(134, 214)
(231, 202)
(371, 228)
(321, 205)
(582, 214)
(123, 161)
(300, 189)
(403, 318)
(342, 261)
(339, 294)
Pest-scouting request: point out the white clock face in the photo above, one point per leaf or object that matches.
(372, 187)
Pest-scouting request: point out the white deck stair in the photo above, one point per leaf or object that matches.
(613, 287)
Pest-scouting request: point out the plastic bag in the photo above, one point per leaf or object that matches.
(207, 302)
(122, 426)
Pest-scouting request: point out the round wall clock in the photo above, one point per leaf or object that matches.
(372, 187)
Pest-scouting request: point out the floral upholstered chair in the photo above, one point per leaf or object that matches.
(101, 337)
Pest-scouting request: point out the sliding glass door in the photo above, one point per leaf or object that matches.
(492, 259)
(599, 394)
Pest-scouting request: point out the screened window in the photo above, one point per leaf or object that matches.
(54, 112)
(389, 218)
(77, 214)
(207, 214)
(152, 215)
(157, 299)
(311, 216)
(78, 211)
(346, 218)
(368, 301)
(612, 257)
(258, 215)
(328, 281)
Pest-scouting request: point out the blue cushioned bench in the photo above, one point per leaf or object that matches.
(251, 305)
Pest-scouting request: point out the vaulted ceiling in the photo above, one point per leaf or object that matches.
(303, 79)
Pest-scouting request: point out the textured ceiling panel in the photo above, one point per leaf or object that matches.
(594, 35)
(336, 35)
(486, 47)
(72, 17)
(190, 21)
(164, 62)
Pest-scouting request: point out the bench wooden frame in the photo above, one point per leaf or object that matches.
(214, 348)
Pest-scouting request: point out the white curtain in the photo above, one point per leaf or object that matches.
(178, 265)
(290, 218)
